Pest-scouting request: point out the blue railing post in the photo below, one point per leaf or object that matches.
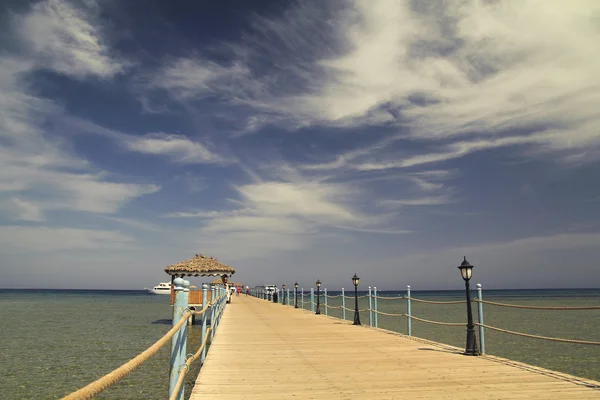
(408, 319)
(212, 313)
(203, 331)
(375, 315)
(312, 299)
(480, 317)
(325, 301)
(343, 305)
(183, 335)
(178, 310)
(288, 297)
(302, 297)
(370, 308)
(295, 297)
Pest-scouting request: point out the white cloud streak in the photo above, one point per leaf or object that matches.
(465, 75)
(22, 239)
(177, 148)
(68, 40)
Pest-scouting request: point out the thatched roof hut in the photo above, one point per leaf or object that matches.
(200, 265)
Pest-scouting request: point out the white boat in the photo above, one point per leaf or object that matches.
(161, 288)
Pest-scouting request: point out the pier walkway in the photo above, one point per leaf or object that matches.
(265, 350)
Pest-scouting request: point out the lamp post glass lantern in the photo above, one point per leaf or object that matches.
(466, 271)
(318, 283)
(296, 295)
(355, 280)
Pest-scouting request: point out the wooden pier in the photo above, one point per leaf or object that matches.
(265, 350)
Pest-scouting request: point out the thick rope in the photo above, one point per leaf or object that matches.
(538, 307)
(540, 337)
(437, 302)
(437, 322)
(390, 315)
(328, 306)
(186, 367)
(116, 375)
(352, 309)
(201, 311)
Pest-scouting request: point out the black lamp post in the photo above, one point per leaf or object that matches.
(296, 295)
(318, 297)
(355, 280)
(471, 349)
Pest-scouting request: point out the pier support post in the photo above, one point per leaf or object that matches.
(179, 307)
(312, 300)
(326, 308)
(480, 319)
(375, 315)
(370, 307)
(408, 312)
(343, 305)
(204, 317)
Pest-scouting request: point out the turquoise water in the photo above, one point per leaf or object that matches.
(54, 342)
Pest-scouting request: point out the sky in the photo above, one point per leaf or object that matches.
(297, 141)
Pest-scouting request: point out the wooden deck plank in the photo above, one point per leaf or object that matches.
(265, 351)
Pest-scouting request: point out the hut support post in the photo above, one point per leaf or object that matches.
(326, 308)
(408, 312)
(177, 341)
(375, 315)
(343, 305)
(203, 331)
(370, 307)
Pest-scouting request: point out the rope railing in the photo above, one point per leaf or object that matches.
(201, 312)
(438, 322)
(529, 335)
(186, 367)
(437, 302)
(116, 375)
(556, 308)
(390, 314)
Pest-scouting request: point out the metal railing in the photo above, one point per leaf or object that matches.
(373, 312)
(180, 360)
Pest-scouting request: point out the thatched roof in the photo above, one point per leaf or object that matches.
(219, 281)
(200, 265)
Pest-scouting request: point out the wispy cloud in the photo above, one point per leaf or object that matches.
(464, 73)
(40, 171)
(68, 39)
(19, 239)
(177, 148)
(419, 201)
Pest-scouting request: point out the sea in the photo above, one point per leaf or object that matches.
(53, 342)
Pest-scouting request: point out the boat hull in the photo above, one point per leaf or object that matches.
(154, 291)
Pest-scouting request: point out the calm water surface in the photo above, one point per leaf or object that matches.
(54, 342)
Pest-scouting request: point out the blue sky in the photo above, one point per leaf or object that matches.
(300, 140)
